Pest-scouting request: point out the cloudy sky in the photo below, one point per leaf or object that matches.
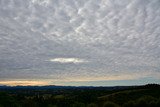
(79, 42)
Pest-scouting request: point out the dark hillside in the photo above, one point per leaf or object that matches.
(63, 96)
(121, 97)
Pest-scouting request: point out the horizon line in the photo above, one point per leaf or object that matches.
(79, 85)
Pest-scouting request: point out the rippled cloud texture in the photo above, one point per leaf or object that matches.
(79, 40)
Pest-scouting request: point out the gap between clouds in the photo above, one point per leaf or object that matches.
(68, 60)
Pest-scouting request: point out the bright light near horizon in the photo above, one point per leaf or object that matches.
(68, 60)
(23, 83)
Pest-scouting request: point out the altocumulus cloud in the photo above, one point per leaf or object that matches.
(79, 40)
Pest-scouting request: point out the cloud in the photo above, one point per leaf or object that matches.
(68, 60)
(116, 38)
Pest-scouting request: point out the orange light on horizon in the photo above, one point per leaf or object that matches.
(23, 83)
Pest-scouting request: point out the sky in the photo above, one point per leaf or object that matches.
(79, 42)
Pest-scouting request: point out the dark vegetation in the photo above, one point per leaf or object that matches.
(60, 96)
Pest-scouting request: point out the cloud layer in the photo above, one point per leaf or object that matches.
(115, 38)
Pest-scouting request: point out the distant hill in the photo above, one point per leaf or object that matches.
(64, 87)
(79, 87)
(122, 96)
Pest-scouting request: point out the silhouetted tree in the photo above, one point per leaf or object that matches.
(78, 104)
(129, 104)
(110, 104)
(92, 105)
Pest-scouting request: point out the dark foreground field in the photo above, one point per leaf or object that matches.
(60, 96)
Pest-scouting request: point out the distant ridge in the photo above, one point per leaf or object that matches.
(80, 87)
